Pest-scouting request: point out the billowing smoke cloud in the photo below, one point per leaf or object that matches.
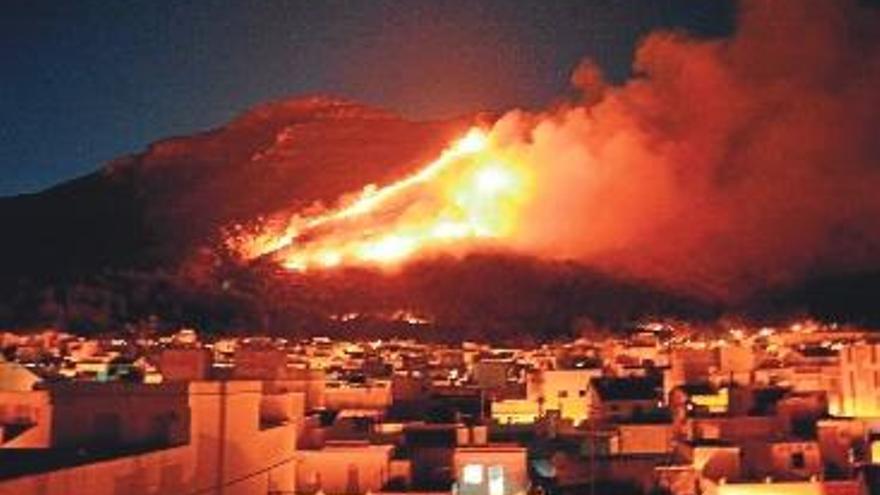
(724, 166)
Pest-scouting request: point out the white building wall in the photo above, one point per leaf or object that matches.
(228, 454)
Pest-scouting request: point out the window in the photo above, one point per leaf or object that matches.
(472, 474)
(798, 461)
(582, 393)
(496, 480)
(563, 394)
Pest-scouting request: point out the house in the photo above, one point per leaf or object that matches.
(110, 438)
(698, 399)
(860, 381)
(490, 469)
(621, 399)
(185, 364)
(564, 390)
(348, 468)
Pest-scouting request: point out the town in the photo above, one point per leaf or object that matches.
(659, 408)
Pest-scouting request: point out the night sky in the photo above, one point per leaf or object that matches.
(84, 82)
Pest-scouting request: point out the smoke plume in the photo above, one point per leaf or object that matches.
(723, 166)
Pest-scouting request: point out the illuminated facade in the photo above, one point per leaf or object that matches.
(490, 470)
(566, 391)
(229, 439)
(860, 381)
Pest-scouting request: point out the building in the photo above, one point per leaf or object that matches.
(200, 437)
(185, 364)
(490, 470)
(625, 399)
(344, 468)
(565, 391)
(860, 381)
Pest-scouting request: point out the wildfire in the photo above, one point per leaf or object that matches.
(471, 193)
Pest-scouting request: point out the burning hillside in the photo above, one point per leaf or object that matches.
(723, 168)
(469, 195)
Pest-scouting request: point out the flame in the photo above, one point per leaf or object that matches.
(472, 193)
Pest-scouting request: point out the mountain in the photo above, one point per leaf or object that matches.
(149, 212)
(152, 208)
(136, 241)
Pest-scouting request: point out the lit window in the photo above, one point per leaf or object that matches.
(472, 474)
(496, 480)
(875, 452)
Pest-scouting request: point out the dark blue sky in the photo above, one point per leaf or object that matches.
(83, 82)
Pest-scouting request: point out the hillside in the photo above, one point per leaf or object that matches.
(151, 209)
(139, 240)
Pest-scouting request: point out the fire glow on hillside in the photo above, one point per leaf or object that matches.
(471, 194)
(638, 180)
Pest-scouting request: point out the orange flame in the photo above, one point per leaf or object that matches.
(471, 193)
